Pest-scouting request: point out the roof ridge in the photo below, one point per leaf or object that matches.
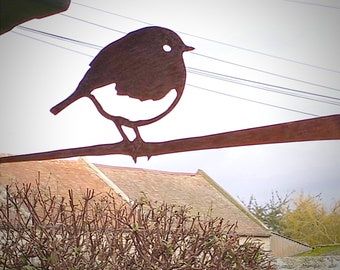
(233, 200)
(145, 170)
(106, 180)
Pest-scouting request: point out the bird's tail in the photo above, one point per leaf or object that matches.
(62, 105)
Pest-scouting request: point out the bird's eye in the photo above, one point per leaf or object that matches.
(167, 48)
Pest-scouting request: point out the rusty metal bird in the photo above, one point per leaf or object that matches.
(145, 64)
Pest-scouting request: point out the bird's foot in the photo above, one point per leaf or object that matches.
(136, 146)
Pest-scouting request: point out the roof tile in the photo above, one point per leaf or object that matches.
(194, 189)
(197, 190)
(59, 175)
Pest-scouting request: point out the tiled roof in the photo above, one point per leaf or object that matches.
(59, 175)
(197, 190)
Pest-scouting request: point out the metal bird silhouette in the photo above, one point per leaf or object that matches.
(145, 64)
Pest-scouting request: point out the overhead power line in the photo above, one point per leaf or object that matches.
(266, 86)
(111, 13)
(50, 43)
(92, 23)
(266, 72)
(312, 4)
(205, 73)
(221, 60)
(71, 40)
(200, 72)
(94, 46)
(215, 41)
(250, 100)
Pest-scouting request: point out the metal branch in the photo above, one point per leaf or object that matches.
(321, 128)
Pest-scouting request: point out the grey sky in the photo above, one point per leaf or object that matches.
(37, 75)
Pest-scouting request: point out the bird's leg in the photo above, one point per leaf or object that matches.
(121, 131)
(118, 121)
(137, 142)
(134, 145)
(138, 138)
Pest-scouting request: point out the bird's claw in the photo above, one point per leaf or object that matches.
(135, 147)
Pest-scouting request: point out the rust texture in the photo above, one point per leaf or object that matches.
(145, 64)
(321, 128)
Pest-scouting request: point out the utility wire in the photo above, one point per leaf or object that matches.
(215, 41)
(198, 72)
(258, 85)
(75, 41)
(221, 60)
(112, 13)
(217, 59)
(312, 4)
(265, 86)
(50, 43)
(266, 72)
(250, 100)
(74, 51)
(262, 53)
(209, 74)
(92, 23)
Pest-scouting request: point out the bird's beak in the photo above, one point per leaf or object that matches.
(188, 48)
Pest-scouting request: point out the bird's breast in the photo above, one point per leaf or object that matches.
(150, 79)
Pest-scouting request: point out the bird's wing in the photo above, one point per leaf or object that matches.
(106, 55)
(116, 51)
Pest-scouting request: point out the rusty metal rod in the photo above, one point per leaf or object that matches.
(321, 128)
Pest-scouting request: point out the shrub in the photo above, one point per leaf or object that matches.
(41, 231)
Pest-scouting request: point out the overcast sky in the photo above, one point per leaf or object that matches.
(287, 44)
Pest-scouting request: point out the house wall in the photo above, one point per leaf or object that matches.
(279, 246)
(284, 247)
